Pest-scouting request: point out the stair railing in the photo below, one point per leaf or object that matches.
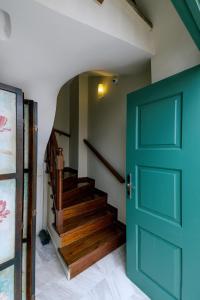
(55, 166)
(105, 162)
(60, 132)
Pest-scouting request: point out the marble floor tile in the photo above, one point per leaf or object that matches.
(101, 291)
(110, 262)
(105, 280)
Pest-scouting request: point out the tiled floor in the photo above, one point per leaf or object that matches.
(105, 280)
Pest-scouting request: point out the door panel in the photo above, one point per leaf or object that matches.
(162, 113)
(163, 211)
(148, 196)
(152, 249)
(11, 191)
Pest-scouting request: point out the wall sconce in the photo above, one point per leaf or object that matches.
(101, 90)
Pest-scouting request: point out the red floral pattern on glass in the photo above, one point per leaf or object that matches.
(3, 211)
(3, 121)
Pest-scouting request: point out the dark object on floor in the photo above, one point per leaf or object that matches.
(44, 237)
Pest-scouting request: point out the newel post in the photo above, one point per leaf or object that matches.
(59, 189)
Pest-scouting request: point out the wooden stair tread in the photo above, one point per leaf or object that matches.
(78, 186)
(75, 202)
(68, 169)
(77, 191)
(68, 174)
(86, 225)
(76, 222)
(75, 251)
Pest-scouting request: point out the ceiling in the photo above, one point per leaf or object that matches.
(46, 49)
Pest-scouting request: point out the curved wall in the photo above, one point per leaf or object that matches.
(46, 49)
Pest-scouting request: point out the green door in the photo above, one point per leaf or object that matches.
(189, 11)
(163, 201)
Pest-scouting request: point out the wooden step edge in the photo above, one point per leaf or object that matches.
(100, 192)
(77, 189)
(82, 208)
(113, 210)
(85, 229)
(88, 219)
(71, 170)
(86, 179)
(72, 177)
(85, 245)
(121, 225)
(92, 257)
(84, 200)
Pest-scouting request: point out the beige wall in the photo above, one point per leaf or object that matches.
(114, 17)
(175, 50)
(74, 123)
(78, 124)
(107, 132)
(83, 125)
(61, 121)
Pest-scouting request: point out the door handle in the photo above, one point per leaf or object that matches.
(129, 185)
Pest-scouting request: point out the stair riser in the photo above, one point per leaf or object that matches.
(69, 186)
(85, 230)
(88, 260)
(69, 183)
(77, 193)
(84, 208)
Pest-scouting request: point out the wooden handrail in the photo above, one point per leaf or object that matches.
(105, 162)
(62, 132)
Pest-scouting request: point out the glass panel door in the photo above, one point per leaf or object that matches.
(11, 191)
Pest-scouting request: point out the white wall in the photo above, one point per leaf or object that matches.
(47, 48)
(74, 123)
(61, 120)
(107, 132)
(114, 17)
(78, 124)
(175, 50)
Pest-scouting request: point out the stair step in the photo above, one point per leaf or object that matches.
(70, 178)
(88, 204)
(81, 190)
(71, 170)
(81, 254)
(82, 226)
(70, 182)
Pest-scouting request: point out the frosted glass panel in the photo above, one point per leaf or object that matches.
(7, 132)
(7, 284)
(7, 219)
(26, 135)
(23, 272)
(25, 213)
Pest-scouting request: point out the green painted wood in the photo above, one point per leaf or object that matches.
(163, 211)
(189, 11)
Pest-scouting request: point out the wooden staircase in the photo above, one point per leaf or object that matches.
(86, 225)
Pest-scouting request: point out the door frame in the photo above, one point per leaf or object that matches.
(31, 213)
